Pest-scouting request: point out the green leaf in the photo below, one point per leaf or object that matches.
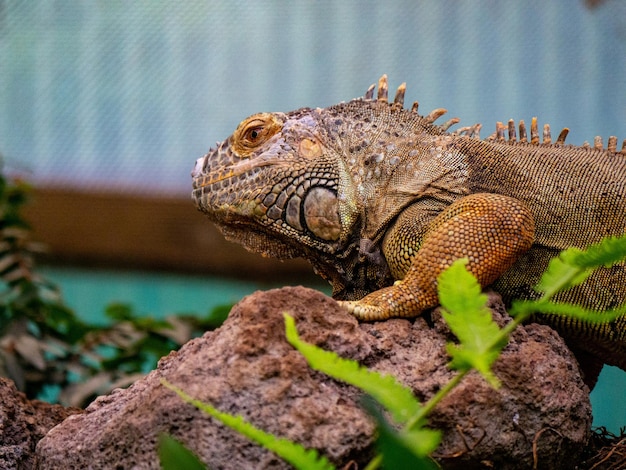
(394, 396)
(573, 266)
(215, 317)
(175, 456)
(562, 273)
(610, 251)
(291, 452)
(404, 450)
(465, 310)
(571, 311)
(119, 312)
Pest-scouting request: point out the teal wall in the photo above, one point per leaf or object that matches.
(88, 292)
(608, 400)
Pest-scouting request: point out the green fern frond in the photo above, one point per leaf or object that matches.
(466, 313)
(577, 312)
(573, 266)
(405, 449)
(609, 251)
(291, 452)
(394, 396)
(175, 456)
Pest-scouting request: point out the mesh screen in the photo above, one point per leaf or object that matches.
(127, 95)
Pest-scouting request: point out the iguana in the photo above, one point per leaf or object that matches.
(381, 199)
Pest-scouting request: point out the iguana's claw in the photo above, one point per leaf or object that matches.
(389, 302)
(363, 311)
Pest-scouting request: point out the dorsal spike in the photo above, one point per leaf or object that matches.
(475, 130)
(463, 130)
(449, 123)
(399, 98)
(523, 137)
(512, 134)
(470, 131)
(586, 145)
(534, 131)
(415, 107)
(369, 94)
(562, 136)
(612, 145)
(383, 89)
(434, 115)
(500, 131)
(624, 147)
(547, 134)
(597, 143)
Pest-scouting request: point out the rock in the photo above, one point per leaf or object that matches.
(246, 367)
(22, 424)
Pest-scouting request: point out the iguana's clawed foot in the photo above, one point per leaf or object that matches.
(395, 301)
(363, 311)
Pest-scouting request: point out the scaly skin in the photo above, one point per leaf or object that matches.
(490, 229)
(380, 200)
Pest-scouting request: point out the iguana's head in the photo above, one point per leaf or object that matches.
(284, 181)
(274, 185)
(300, 183)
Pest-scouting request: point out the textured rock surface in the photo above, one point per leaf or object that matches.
(22, 424)
(246, 367)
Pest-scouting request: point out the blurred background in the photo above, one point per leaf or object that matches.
(105, 106)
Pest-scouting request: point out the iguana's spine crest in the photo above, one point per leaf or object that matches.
(501, 130)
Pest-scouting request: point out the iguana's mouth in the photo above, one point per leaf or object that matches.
(206, 177)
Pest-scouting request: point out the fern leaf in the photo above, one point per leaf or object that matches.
(573, 266)
(562, 273)
(576, 312)
(173, 455)
(394, 396)
(610, 251)
(406, 449)
(291, 452)
(465, 310)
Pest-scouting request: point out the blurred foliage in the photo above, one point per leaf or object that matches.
(46, 349)
(175, 456)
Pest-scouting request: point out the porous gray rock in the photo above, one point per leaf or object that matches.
(246, 367)
(23, 423)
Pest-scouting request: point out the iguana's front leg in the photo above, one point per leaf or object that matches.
(490, 230)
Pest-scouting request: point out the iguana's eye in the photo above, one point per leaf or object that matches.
(254, 132)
